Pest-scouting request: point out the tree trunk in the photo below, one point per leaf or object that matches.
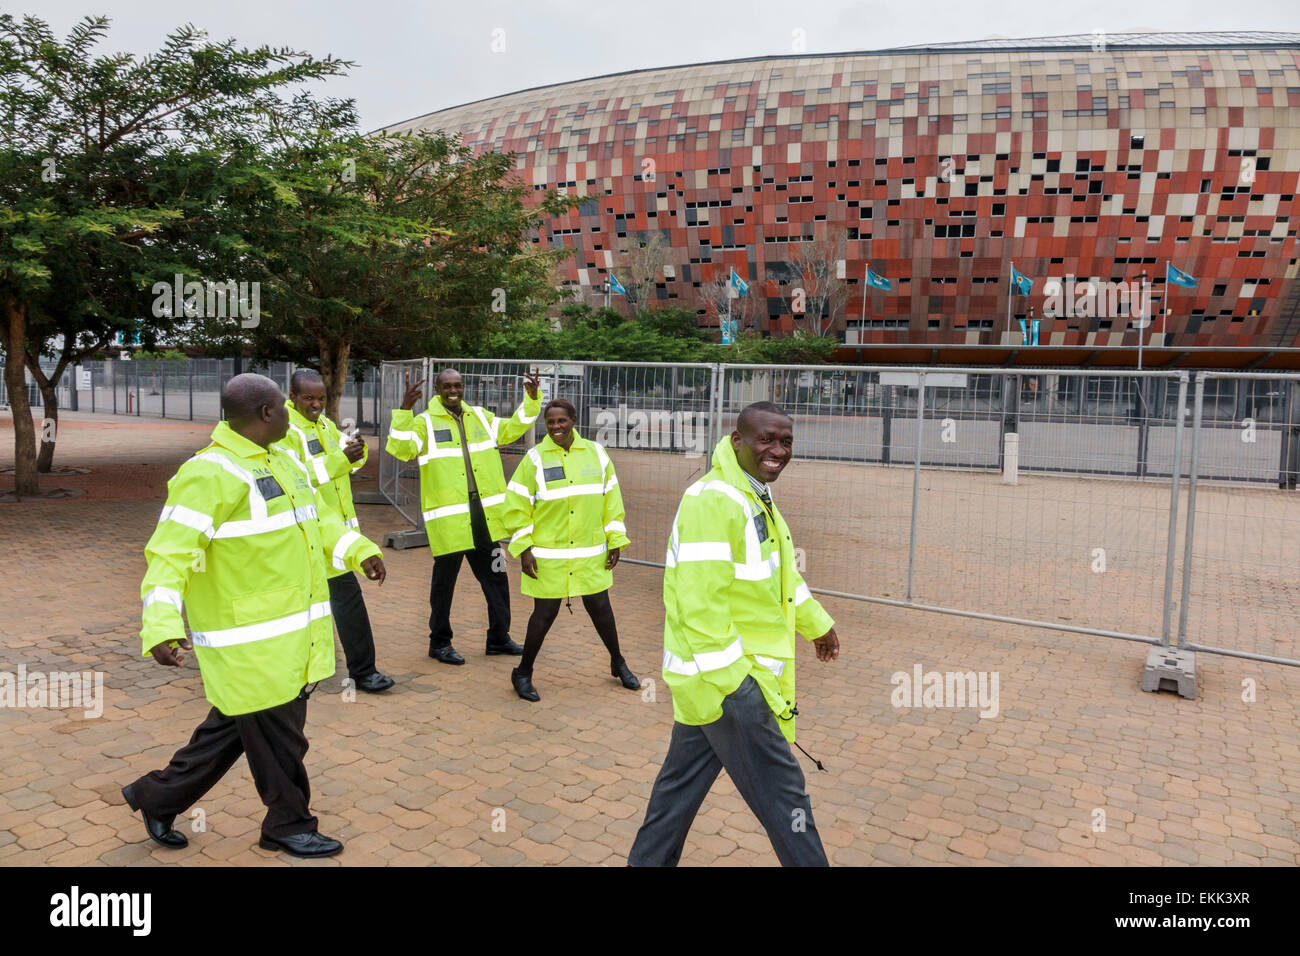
(49, 426)
(48, 384)
(334, 370)
(25, 480)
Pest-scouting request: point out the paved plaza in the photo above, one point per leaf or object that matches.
(1077, 766)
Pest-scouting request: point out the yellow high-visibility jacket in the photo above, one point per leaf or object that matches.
(241, 546)
(733, 598)
(434, 440)
(318, 445)
(566, 506)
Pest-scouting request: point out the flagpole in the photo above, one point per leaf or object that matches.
(1010, 266)
(1164, 311)
(865, 286)
(1142, 309)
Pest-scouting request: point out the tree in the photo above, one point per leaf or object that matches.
(722, 299)
(395, 246)
(673, 322)
(817, 263)
(118, 171)
(643, 264)
(802, 348)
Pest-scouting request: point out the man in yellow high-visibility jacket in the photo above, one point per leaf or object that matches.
(462, 498)
(241, 548)
(733, 602)
(316, 442)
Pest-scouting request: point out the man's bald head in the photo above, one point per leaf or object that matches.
(450, 389)
(751, 415)
(304, 377)
(254, 407)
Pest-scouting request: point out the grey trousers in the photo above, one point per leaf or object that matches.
(747, 743)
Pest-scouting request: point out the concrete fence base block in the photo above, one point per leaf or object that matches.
(369, 498)
(406, 538)
(1011, 459)
(1169, 668)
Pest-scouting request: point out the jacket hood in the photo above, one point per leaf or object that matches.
(296, 416)
(549, 442)
(724, 460)
(435, 407)
(227, 437)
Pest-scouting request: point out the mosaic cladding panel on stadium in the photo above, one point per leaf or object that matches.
(753, 154)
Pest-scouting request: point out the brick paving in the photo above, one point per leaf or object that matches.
(452, 768)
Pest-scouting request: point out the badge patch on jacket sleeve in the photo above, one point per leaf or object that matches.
(442, 434)
(553, 472)
(269, 487)
(314, 446)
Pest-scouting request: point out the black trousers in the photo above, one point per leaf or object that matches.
(348, 606)
(274, 742)
(746, 742)
(495, 583)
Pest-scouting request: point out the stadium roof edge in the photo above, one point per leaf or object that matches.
(1080, 42)
(1159, 358)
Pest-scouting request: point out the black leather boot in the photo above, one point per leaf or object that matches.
(524, 685)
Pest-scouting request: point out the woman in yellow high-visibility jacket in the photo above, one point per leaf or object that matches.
(565, 514)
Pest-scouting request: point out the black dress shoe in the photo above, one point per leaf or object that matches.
(620, 671)
(509, 647)
(448, 655)
(524, 685)
(375, 683)
(308, 845)
(160, 832)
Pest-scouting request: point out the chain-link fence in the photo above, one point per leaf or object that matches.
(1051, 497)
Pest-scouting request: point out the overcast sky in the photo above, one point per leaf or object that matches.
(416, 56)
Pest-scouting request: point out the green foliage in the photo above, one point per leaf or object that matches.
(116, 171)
(672, 322)
(166, 355)
(393, 246)
(802, 348)
(662, 335)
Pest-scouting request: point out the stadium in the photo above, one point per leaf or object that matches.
(1082, 161)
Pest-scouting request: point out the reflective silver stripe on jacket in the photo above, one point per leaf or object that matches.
(339, 557)
(569, 553)
(188, 517)
(704, 661)
(285, 519)
(247, 634)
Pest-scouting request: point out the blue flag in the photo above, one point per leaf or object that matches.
(878, 282)
(1178, 277)
(739, 284)
(1022, 282)
(615, 286)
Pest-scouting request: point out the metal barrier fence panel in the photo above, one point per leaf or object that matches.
(1240, 593)
(188, 389)
(1063, 548)
(399, 481)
